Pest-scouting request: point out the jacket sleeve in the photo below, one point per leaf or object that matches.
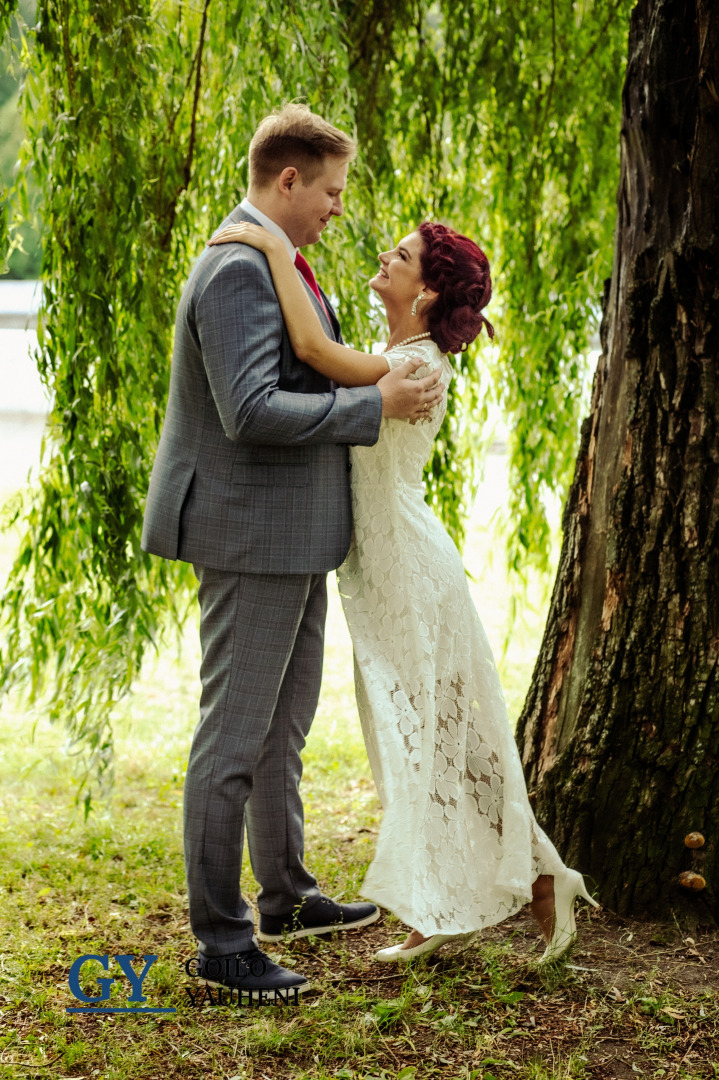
(239, 327)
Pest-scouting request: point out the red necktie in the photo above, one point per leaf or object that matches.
(304, 268)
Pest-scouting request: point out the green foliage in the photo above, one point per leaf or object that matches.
(19, 238)
(501, 119)
(8, 83)
(23, 257)
(7, 10)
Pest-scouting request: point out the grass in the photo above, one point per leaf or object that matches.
(635, 1000)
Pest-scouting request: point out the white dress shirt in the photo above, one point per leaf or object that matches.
(271, 226)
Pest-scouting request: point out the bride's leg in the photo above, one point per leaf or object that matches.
(542, 905)
(413, 939)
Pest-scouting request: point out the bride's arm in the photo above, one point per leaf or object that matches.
(348, 367)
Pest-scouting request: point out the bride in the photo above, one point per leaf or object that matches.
(459, 848)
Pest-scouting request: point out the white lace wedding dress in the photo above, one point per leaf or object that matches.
(458, 847)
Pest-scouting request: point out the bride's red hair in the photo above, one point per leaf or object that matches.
(458, 271)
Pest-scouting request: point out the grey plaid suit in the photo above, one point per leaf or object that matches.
(251, 485)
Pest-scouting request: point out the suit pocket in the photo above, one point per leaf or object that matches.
(296, 475)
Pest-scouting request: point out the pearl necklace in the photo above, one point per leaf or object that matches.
(415, 337)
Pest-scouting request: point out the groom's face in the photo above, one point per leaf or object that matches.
(313, 205)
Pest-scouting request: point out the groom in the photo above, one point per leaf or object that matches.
(251, 485)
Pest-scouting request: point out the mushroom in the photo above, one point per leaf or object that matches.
(690, 880)
(694, 840)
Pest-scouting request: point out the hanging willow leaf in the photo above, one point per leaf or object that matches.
(501, 119)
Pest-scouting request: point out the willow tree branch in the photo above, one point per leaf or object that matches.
(187, 167)
(599, 38)
(196, 98)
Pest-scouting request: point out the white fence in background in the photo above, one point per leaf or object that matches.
(23, 401)
(19, 303)
(20, 388)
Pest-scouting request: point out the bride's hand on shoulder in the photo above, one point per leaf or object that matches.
(247, 233)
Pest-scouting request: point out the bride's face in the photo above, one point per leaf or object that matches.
(399, 277)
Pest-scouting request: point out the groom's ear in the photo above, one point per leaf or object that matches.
(287, 179)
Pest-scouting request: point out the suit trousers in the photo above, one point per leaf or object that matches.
(262, 639)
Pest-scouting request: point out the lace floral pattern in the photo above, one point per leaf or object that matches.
(459, 847)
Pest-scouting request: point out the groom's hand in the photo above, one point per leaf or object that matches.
(409, 399)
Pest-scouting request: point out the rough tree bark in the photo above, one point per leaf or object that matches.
(620, 731)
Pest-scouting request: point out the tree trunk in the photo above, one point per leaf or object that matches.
(620, 731)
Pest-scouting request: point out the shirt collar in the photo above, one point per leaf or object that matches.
(271, 226)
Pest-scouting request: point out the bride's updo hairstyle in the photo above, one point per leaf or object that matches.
(458, 271)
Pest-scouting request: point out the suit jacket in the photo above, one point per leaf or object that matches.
(252, 469)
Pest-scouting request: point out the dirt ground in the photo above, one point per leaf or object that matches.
(634, 1000)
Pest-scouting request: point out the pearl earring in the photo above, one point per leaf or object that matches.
(417, 300)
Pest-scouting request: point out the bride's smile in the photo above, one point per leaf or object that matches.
(399, 277)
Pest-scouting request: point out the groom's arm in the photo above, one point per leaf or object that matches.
(239, 325)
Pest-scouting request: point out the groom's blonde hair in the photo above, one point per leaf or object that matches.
(298, 137)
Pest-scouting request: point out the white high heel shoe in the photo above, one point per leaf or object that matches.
(566, 890)
(403, 956)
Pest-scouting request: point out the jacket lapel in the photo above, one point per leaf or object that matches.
(238, 215)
